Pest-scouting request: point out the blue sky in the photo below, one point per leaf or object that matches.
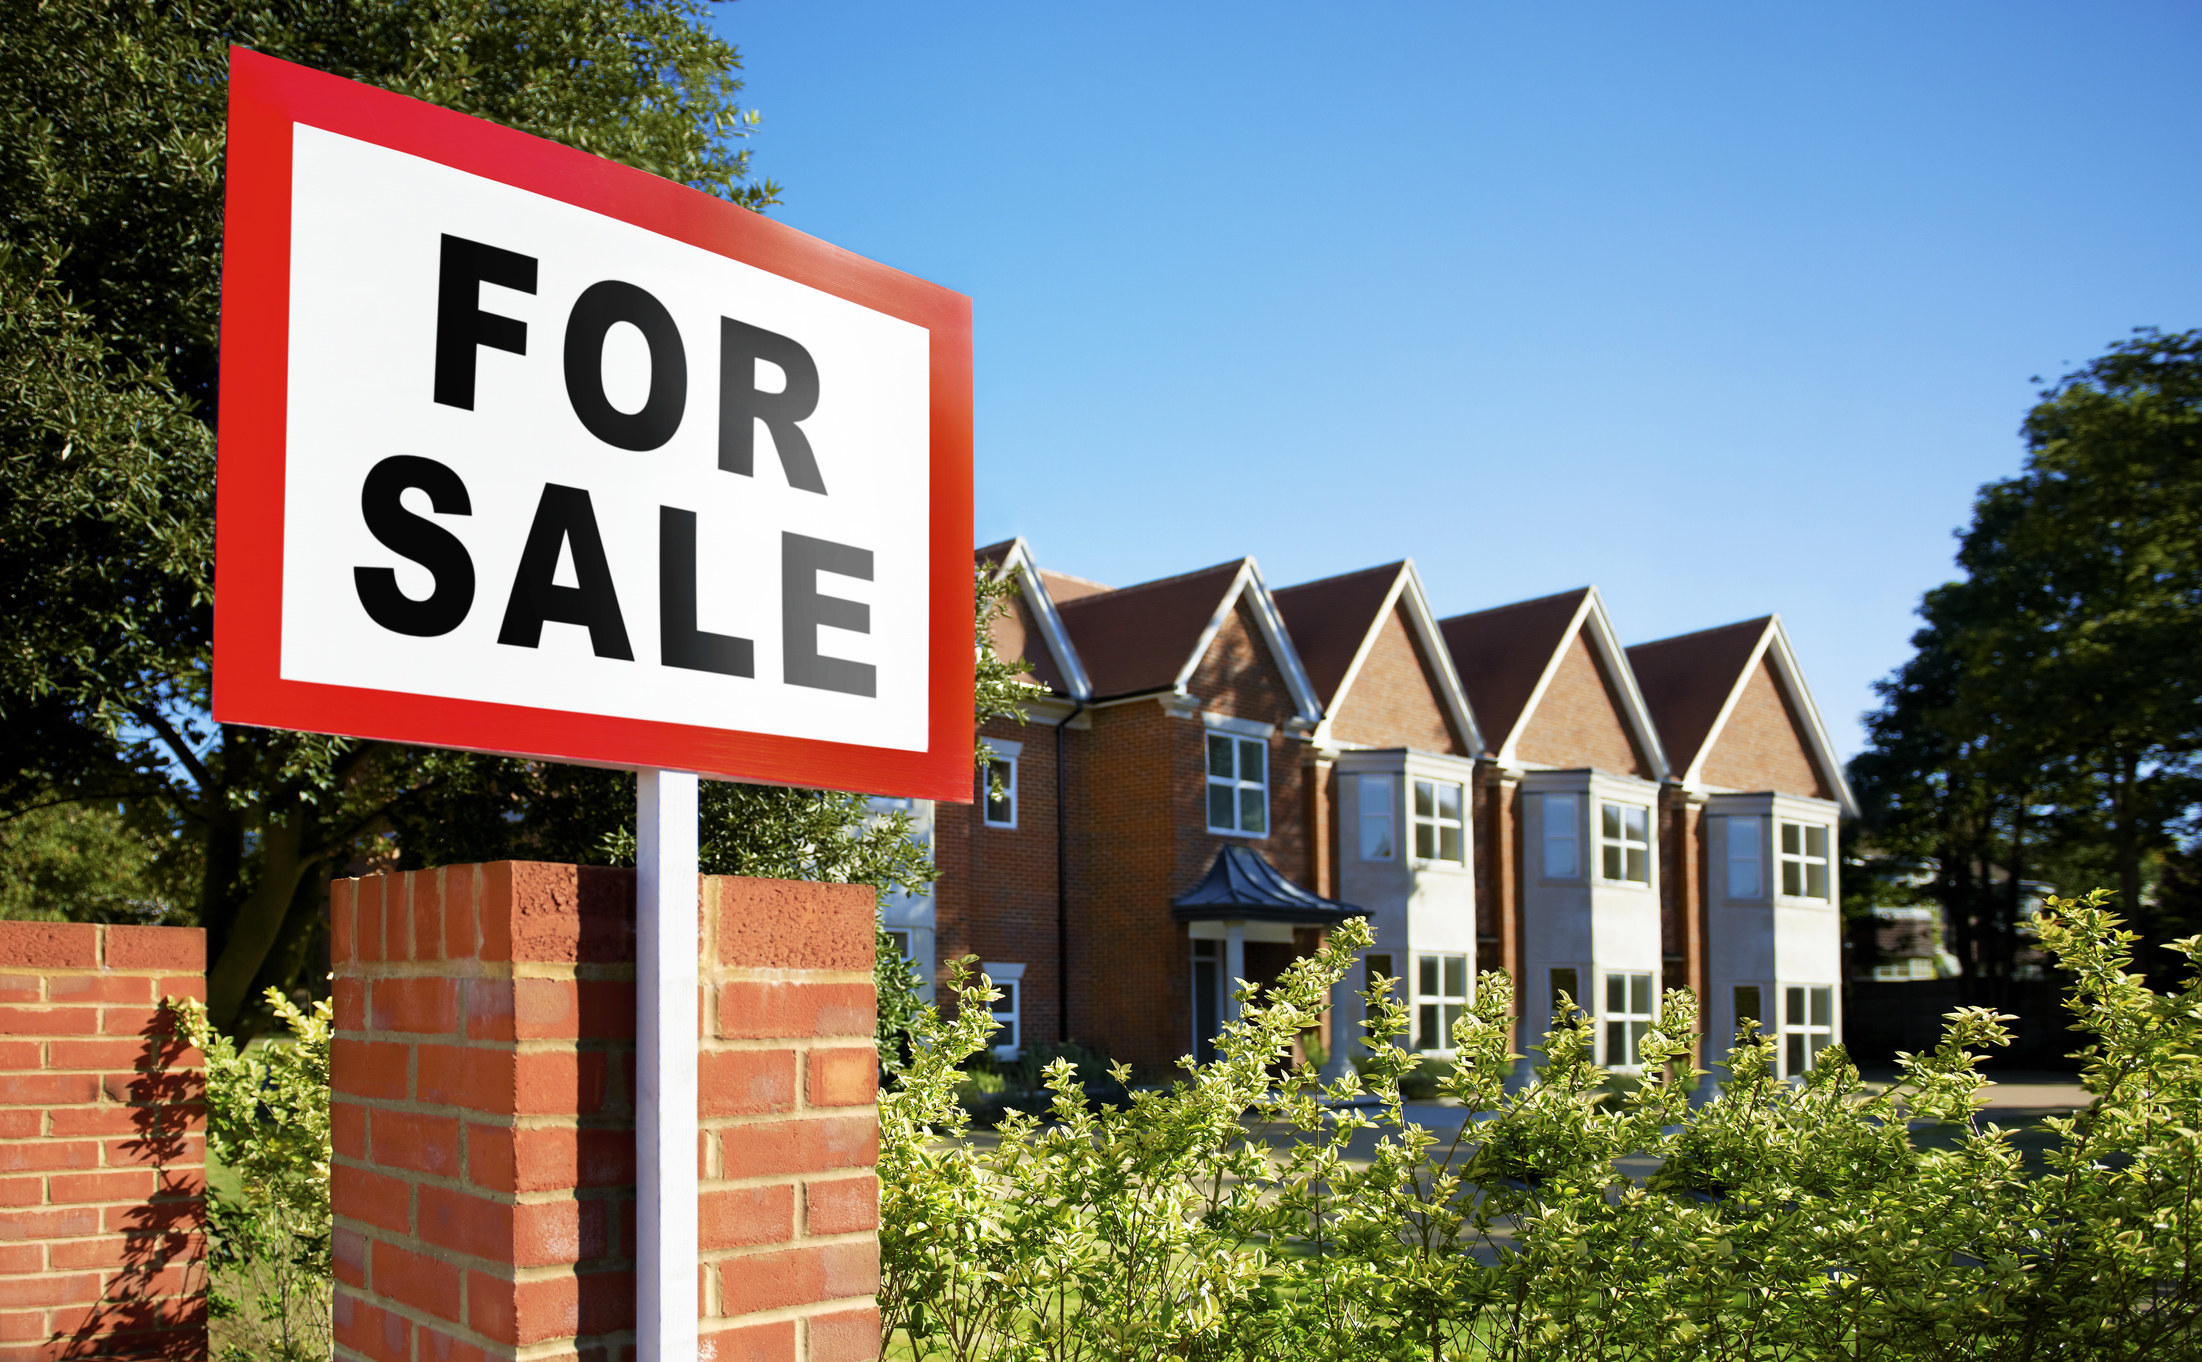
(1727, 308)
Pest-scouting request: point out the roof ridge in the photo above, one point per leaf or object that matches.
(1121, 591)
(1761, 621)
(1583, 590)
(1394, 566)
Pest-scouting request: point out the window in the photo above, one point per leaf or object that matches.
(1567, 992)
(1376, 818)
(1749, 1008)
(1560, 862)
(1238, 784)
(1804, 860)
(1440, 999)
(1009, 984)
(1374, 967)
(1746, 878)
(901, 940)
(1807, 1026)
(1437, 822)
(1628, 1016)
(1625, 839)
(1001, 792)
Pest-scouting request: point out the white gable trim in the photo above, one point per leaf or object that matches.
(1773, 646)
(1249, 583)
(1019, 560)
(1407, 584)
(1634, 712)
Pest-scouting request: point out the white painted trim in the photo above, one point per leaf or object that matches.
(666, 958)
(1245, 728)
(1003, 747)
(1211, 929)
(1773, 645)
(986, 819)
(1019, 559)
(1266, 614)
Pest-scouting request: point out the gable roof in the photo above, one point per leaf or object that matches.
(1506, 657)
(1151, 637)
(1334, 623)
(1014, 557)
(1693, 682)
(1242, 884)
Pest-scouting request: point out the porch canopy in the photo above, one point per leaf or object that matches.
(1242, 887)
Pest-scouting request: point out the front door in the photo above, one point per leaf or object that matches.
(1207, 998)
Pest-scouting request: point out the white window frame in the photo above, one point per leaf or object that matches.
(1008, 761)
(1437, 824)
(1563, 826)
(1009, 979)
(1554, 987)
(1804, 1036)
(1622, 843)
(1626, 1015)
(1757, 1012)
(1803, 861)
(1238, 744)
(1747, 855)
(1379, 810)
(1441, 984)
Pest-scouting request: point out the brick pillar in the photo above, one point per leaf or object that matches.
(484, 1118)
(102, 1144)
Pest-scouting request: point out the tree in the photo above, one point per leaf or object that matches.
(2049, 723)
(111, 142)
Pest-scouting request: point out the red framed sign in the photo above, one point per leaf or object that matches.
(525, 451)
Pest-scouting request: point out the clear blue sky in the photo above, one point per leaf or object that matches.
(1727, 308)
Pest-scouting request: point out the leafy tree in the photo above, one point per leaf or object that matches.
(111, 142)
(82, 863)
(2048, 725)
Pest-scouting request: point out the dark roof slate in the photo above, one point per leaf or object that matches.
(1686, 679)
(1500, 653)
(1139, 638)
(1242, 885)
(1330, 619)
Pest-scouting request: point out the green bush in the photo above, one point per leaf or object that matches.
(267, 1144)
(1237, 1216)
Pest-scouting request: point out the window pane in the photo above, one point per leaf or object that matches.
(1823, 1007)
(1376, 796)
(1425, 799)
(1452, 1016)
(1375, 967)
(1640, 994)
(1613, 866)
(1792, 878)
(1219, 756)
(1559, 855)
(1640, 865)
(1815, 842)
(1376, 836)
(1793, 1007)
(1796, 1064)
(1743, 879)
(1449, 846)
(1219, 806)
(1253, 810)
(1815, 1043)
(1456, 976)
(1559, 814)
(1636, 821)
(1006, 1005)
(1612, 820)
(1563, 981)
(1251, 763)
(1426, 1032)
(1815, 880)
(1427, 973)
(1425, 840)
(1448, 800)
(1747, 1005)
(1617, 993)
(1617, 1044)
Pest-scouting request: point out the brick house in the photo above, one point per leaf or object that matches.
(1212, 773)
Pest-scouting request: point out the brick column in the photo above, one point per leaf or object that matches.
(102, 1144)
(484, 1118)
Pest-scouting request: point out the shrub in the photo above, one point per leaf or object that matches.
(1233, 1215)
(267, 1142)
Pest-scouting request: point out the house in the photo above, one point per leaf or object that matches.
(1214, 773)
(1752, 815)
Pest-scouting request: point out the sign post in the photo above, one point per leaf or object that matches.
(523, 451)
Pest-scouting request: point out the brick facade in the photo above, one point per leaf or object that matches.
(1762, 746)
(1578, 721)
(483, 1116)
(102, 1144)
(1394, 702)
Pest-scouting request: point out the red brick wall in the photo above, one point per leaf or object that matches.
(102, 1144)
(1393, 701)
(1579, 720)
(1762, 746)
(996, 894)
(484, 1116)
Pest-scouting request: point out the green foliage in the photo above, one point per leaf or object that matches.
(111, 139)
(268, 1221)
(82, 863)
(2045, 727)
(1250, 1213)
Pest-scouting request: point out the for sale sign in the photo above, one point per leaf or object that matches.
(528, 452)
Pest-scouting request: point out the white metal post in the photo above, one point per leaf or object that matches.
(665, 1054)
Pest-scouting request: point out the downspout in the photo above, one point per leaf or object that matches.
(1062, 892)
